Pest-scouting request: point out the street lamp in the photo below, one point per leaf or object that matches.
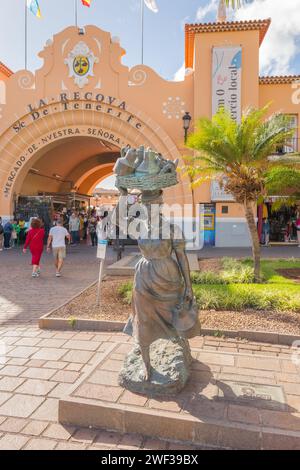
(186, 124)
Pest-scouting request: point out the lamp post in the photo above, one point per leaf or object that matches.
(186, 124)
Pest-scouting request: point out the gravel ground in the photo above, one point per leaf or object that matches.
(214, 265)
(277, 322)
(113, 308)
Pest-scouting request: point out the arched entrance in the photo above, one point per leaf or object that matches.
(80, 146)
(72, 164)
(60, 122)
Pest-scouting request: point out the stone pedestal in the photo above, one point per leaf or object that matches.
(170, 362)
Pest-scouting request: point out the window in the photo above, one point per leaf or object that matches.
(224, 209)
(292, 144)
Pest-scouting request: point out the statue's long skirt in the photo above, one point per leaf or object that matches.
(158, 290)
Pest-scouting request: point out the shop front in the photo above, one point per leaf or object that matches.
(278, 222)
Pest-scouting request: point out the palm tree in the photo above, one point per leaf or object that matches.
(237, 156)
(234, 3)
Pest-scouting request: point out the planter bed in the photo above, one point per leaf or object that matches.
(81, 313)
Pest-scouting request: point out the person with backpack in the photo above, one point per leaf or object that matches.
(35, 242)
(1, 234)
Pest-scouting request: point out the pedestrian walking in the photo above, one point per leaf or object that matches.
(93, 230)
(35, 242)
(15, 234)
(22, 235)
(74, 227)
(85, 226)
(7, 231)
(57, 238)
(266, 231)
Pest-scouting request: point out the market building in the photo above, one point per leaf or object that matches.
(62, 127)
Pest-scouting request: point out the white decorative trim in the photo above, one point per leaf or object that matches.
(26, 81)
(174, 107)
(64, 45)
(98, 44)
(138, 78)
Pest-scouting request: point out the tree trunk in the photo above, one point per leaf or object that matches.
(255, 240)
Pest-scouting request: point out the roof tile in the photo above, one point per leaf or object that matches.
(219, 27)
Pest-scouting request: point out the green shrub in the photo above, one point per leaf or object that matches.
(125, 291)
(251, 296)
(207, 277)
(233, 272)
(233, 288)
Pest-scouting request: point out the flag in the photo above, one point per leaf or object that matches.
(151, 4)
(86, 3)
(34, 7)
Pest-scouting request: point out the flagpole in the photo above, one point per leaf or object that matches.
(142, 28)
(76, 13)
(26, 32)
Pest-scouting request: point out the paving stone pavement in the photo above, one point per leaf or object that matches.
(38, 367)
(23, 299)
(33, 377)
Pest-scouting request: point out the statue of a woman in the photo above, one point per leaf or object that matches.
(163, 302)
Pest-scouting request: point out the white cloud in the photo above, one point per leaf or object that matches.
(279, 47)
(180, 74)
(202, 12)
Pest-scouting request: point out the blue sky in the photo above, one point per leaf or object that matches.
(164, 32)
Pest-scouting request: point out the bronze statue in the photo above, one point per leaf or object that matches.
(163, 304)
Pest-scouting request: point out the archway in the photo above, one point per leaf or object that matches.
(74, 164)
(99, 181)
(22, 150)
(91, 181)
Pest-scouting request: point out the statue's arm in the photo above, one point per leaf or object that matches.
(185, 271)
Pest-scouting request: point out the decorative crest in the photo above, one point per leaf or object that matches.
(81, 64)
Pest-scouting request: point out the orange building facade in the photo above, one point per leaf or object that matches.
(62, 127)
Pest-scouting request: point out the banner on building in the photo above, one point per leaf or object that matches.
(226, 80)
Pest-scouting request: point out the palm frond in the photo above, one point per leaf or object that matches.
(283, 180)
(234, 3)
(272, 133)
